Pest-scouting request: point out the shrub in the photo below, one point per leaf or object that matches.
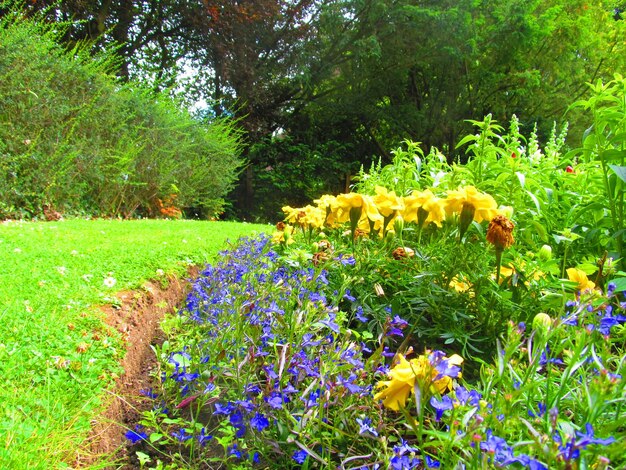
(74, 139)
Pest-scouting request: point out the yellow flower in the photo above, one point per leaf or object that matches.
(387, 202)
(468, 198)
(284, 236)
(313, 217)
(328, 204)
(346, 202)
(428, 202)
(292, 214)
(403, 377)
(459, 285)
(577, 275)
(308, 216)
(402, 380)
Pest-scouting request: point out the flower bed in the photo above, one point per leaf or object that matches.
(269, 364)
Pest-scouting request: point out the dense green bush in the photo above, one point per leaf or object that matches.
(75, 140)
(285, 172)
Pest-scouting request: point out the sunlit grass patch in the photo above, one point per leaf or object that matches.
(56, 354)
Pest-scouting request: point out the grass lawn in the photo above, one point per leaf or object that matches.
(52, 276)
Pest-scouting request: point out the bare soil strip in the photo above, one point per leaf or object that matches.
(137, 318)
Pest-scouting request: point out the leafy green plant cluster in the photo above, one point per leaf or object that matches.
(272, 362)
(75, 140)
(567, 199)
(57, 354)
(327, 349)
(288, 173)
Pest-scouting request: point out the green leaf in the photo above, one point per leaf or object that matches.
(522, 179)
(620, 284)
(155, 437)
(143, 458)
(465, 140)
(614, 155)
(541, 231)
(620, 171)
(535, 200)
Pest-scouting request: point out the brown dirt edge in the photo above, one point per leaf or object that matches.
(137, 318)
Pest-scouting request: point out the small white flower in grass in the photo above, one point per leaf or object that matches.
(62, 270)
(74, 253)
(17, 250)
(109, 281)
(160, 272)
(87, 277)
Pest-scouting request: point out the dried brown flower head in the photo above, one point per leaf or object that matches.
(280, 226)
(320, 257)
(500, 232)
(402, 252)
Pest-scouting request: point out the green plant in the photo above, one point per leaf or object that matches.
(75, 140)
(604, 143)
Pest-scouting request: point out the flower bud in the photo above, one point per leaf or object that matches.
(545, 253)
(542, 322)
(398, 224)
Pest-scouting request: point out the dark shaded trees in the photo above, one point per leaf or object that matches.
(357, 76)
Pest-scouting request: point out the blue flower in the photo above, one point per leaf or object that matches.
(259, 422)
(234, 450)
(275, 401)
(444, 368)
(136, 435)
(432, 463)
(330, 323)
(542, 411)
(203, 438)
(543, 360)
(182, 435)
(441, 406)
(346, 260)
(404, 462)
(358, 314)
(586, 438)
(349, 297)
(223, 409)
(300, 456)
(148, 392)
(365, 425)
(464, 397)
(396, 325)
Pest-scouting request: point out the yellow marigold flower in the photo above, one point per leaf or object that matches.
(432, 208)
(403, 377)
(326, 201)
(579, 276)
(284, 236)
(328, 204)
(402, 380)
(346, 202)
(293, 214)
(459, 285)
(386, 202)
(483, 206)
(313, 217)
(500, 232)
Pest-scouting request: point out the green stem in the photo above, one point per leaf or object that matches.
(498, 263)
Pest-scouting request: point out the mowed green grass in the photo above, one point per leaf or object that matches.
(53, 276)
